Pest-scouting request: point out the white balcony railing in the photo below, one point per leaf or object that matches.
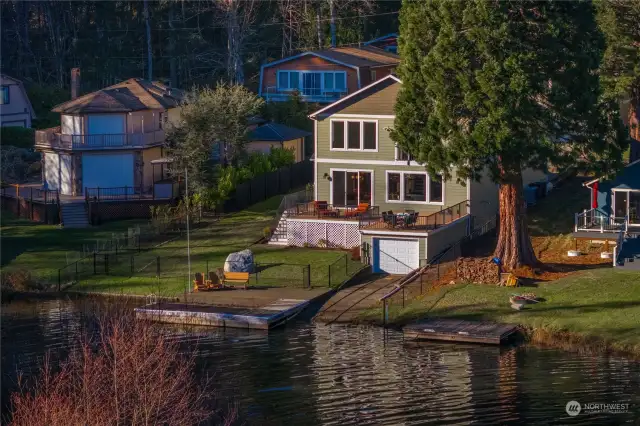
(595, 221)
(52, 138)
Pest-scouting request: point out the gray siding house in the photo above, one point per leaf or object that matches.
(15, 107)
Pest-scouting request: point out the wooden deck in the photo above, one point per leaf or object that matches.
(459, 331)
(264, 317)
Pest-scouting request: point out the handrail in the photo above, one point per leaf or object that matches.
(53, 138)
(431, 221)
(595, 220)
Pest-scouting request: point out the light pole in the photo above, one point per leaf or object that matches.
(186, 185)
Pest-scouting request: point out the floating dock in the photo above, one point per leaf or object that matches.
(459, 331)
(263, 318)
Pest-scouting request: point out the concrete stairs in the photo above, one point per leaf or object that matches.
(630, 254)
(279, 237)
(74, 215)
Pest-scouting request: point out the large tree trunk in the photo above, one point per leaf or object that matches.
(514, 247)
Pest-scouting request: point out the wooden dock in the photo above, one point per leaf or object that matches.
(454, 330)
(264, 318)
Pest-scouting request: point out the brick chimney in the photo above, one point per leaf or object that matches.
(75, 82)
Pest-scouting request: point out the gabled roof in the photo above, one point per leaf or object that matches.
(130, 95)
(382, 38)
(276, 132)
(374, 87)
(354, 57)
(628, 178)
(24, 93)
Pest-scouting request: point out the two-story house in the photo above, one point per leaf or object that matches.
(107, 138)
(15, 107)
(325, 75)
(369, 193)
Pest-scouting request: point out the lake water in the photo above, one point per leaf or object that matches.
(309, 374)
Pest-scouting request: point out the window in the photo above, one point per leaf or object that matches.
(401, 155)
(353, 135)
(373, 75)
(369, 135)
(4, 95)
(341, 81)
(337, 132)
(435, 189)
(328, 81)
(414, 187)
(359, 135)
(393, 186)
(288, 80)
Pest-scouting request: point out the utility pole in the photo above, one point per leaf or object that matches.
(149, 53)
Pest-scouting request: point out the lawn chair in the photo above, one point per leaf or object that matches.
(389, 218)
(359, 211)
(214, 282)
(322, 209)
(199, 283)
(410, 219)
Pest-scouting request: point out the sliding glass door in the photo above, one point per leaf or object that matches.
(351, 188)
(627, 204)
(312, 83)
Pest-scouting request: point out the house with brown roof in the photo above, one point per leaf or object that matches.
(325, 76)
(387, 42)
(15, 107)
(107, 138)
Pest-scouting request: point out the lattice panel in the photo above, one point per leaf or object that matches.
(335, 235)
(315, 232)
(351, 235)
(296, 233)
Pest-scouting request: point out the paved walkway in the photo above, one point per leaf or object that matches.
(252, 297)
(347, 304)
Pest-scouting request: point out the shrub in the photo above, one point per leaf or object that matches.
(20, 137)
(266, 232)
(18, 280)
(128, 372)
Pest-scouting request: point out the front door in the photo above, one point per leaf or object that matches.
(351, 188)
(620, 205)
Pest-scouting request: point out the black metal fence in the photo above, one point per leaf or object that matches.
(341, 271)
(269, 184)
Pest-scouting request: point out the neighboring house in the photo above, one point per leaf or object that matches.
(273, 135)
(614, 214)
(633, 121)
(15, 107)
(325, 75)
(387, 42)
(108, 138)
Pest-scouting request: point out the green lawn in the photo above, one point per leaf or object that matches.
(44, 249)
(602, 304)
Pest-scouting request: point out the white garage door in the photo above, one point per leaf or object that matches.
(107, 171)
(52, 170)
(398, 256)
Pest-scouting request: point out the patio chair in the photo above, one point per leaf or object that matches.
(410, 219)
(198, 283)
(358, 211)
(214, 281)
(322, 209)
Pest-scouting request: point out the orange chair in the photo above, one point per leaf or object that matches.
(360, 210)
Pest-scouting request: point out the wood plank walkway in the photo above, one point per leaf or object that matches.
(457, 330)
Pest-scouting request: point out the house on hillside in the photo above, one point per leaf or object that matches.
(614, 215)
(387, 42)
(107, 138)
(633, 122)
(269, 135)
(371, 194)
(15, 107)
(327, 75)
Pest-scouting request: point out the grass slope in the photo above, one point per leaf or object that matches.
(602, 304)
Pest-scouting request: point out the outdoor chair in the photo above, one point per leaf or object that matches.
(410, 220)
(359, 211)
(322, 209)
(199, 284)
(214, 281)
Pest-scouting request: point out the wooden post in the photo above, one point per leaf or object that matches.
(94, 263)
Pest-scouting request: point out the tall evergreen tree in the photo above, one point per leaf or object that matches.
(501, 86)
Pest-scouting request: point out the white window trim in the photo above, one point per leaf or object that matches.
(346, 132)
(613, 201)
(301, 79)
(402, 200)
(331, 170)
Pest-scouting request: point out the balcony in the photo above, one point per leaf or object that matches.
(596, 221)
(52, 138)
(308, 95)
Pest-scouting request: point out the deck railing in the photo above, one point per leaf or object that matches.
(312, 95)
(331, 211)
(420, 222)
(595, 221)
(52, 138)
(116, 193)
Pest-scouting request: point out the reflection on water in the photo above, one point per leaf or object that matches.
(336, 375)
